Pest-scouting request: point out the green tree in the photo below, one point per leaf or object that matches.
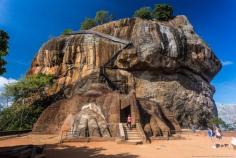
(3, 50)
(163, 12)
(67, 31)
(29, 87)
(29, 96)
(144, 13)
(88, 23)
(19, 117)
(215, 121)
(102, 16)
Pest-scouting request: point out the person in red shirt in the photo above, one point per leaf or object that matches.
(129, 120)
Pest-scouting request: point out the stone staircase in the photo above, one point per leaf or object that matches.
(133, 135)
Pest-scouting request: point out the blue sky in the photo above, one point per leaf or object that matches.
(30, 23)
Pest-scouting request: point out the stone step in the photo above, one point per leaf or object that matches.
(134, 138)
(134, 142)
(132, 133)
(137, 133)
(131, 130)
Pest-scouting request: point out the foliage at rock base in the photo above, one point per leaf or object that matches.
(29, 95)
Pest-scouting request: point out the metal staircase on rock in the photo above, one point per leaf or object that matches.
(133, 135)
(109, 64)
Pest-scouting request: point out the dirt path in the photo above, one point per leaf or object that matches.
(192, 146)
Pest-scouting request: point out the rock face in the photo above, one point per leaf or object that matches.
(159, 72)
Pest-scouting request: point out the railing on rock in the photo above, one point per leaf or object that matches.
(105, 77)
(141, 131)
(102, 35)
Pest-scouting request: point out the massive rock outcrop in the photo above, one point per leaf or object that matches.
(159, 72)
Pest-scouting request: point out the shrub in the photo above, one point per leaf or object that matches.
(29, 100)
(102, 17)
(144, 13)
(215, 121)
(88, 23)
(67, 32)
(28, 86)
(19, 117)
(163, 12)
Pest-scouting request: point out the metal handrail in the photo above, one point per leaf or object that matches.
(103, 35)
(139, 127)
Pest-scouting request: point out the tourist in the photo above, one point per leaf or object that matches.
(129, 120)
(193, 129)
(233, 143)
(211, 135)
(218, 135)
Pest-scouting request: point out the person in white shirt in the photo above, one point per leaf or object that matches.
(233, 143)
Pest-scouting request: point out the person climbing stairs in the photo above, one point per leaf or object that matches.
(132, 135)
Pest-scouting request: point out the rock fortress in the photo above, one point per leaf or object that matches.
(159, 72)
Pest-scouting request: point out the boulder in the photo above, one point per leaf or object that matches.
(157, 71)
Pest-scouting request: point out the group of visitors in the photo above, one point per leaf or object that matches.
(216, 136)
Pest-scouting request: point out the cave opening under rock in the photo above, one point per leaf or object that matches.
(124, 113)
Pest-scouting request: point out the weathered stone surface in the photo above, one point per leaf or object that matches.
(91, 120)
(163, 76)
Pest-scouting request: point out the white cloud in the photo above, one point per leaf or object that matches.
(225, 63)
(4, 81)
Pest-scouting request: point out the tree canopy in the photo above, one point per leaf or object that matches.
(102, 17)
(28, 86)
(88, 23)
(162, 12)
(144, 13)
(28, 96)
(3, 50)
(215, 121)
(67, 31)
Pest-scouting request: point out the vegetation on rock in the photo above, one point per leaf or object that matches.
(144, 13)
(102, 17)
(88, 23)
(67, 32)
(28, 102)
(3, 50)
(162, 12)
